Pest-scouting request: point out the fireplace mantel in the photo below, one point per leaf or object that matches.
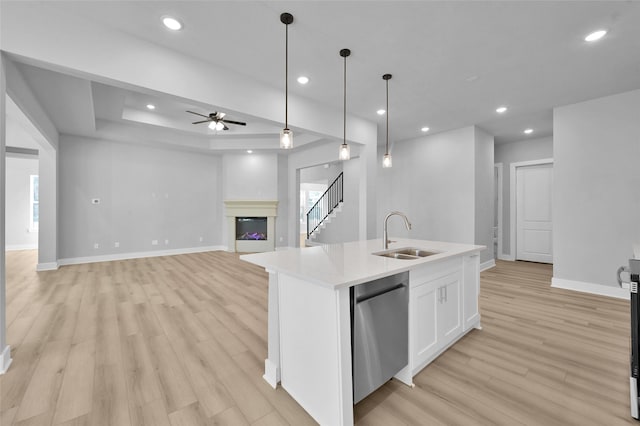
(251, 208)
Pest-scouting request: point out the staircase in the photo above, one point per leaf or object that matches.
(327, 206)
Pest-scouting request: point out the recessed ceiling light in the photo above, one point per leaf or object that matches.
(249, 151)
(425, 129)
(303, 80)
(528, 131)
(172, 23)
(501, 109)
(151, 106)
(381, 112)
(596, 35)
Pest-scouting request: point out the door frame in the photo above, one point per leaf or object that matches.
(512, 199)
(499, 189)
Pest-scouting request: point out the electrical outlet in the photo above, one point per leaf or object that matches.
(116, 244)
(96, 246)
(154, 242)
(201, 239)
(281, 239)
(166, 242)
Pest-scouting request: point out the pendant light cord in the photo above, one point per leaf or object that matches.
(344, 130)
(286, 78)
(387, 152)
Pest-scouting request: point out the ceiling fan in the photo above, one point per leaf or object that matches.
(216, 120)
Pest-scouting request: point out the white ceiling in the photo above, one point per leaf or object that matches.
(453, 63)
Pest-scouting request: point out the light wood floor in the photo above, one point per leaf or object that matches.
(181, 341)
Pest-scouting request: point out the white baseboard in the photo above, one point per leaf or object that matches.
(18, 247)
(487, 265)
(5, 359)
(505, 256)
(47, 266)
(137, 255)
(591, 288)
(284, 248)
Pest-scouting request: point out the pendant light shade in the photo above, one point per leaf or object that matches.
(345, 150)
(286, 135)
(386, 160)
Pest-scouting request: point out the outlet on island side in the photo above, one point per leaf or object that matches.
(154, 242)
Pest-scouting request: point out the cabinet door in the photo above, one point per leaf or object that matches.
(450, 309)
(424, 339)
(471, 279)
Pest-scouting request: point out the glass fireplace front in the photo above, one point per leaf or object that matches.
(251, 228)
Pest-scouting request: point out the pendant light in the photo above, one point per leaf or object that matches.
(345, 151)
(386, 160)
(286, 135)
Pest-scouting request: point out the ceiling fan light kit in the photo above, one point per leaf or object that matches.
(216, 120)
(286, 135)
(386, 160)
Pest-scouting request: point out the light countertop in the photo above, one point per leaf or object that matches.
(348, 264)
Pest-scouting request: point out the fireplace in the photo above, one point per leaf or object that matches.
(251, 228)
(251, 225)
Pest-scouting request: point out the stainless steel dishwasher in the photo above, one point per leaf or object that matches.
(379, 332)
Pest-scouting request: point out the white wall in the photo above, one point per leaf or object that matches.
(5, 351)
(514, 152)
(442, 183)
(432, 181)
(19, 168)
(596, 196)
(484, 193)
(282, 230)
(145, 194)
(250, 176)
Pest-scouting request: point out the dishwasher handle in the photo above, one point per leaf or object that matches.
(366, 297)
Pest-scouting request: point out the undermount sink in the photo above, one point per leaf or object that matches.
(406, 253)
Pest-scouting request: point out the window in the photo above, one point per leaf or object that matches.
(34, 203)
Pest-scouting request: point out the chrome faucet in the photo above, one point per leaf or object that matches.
(385, 235)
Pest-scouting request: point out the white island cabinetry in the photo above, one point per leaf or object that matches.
(309, 314)
(442, 308)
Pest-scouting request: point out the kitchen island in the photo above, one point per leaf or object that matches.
(309, 313)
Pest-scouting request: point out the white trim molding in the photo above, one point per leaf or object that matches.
(487, 265)
(590, 288)
(5, 359)
(136, 255)
(19, 247)
(512, 200)
(47, 266)
(499, 189)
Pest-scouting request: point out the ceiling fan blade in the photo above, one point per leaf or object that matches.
(225, 128)
(197, 113)
(240, 123)
(203, 121)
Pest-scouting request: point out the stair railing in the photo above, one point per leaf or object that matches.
(331, 198)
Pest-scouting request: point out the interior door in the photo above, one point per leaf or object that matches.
(533, 213)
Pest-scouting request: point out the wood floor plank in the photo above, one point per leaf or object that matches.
(42, 393)
(110, 405)
(182, 340)
(75, 397)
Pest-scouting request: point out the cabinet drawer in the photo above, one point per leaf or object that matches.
(434, 270)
